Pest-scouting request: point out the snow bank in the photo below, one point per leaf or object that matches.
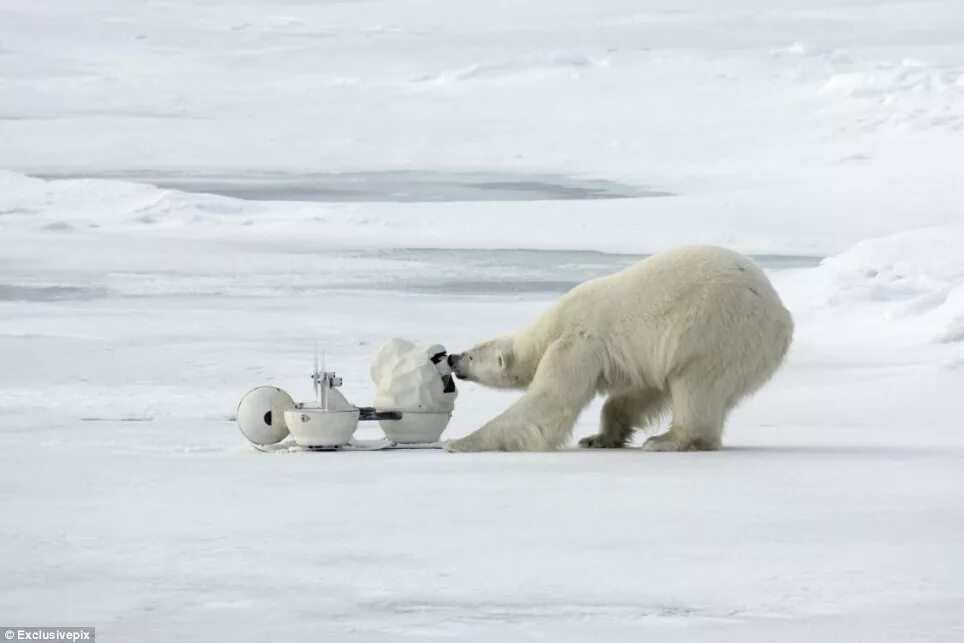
(67, 204)
(911, 282)
(910, 93)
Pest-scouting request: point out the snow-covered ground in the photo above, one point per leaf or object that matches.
(440, 171)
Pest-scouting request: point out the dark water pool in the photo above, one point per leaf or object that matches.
(445, 271)
(412, 186)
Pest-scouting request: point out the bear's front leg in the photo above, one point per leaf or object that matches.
(528, 425)
(542, 420)
(493, 436)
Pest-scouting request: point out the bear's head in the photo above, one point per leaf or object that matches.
(492, 363)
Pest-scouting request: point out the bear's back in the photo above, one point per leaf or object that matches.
(670, 287)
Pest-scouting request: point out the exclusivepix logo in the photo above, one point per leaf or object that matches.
(48, 634)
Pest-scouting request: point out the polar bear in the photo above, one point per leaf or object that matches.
(691, 330)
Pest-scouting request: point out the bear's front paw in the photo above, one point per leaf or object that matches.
(464, 445)
(600, 441)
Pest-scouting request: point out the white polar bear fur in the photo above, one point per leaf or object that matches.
(692, 330)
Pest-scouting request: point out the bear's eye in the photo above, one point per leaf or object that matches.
(501, 363)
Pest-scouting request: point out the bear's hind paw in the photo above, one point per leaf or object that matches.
(665, 442)
(670, 441)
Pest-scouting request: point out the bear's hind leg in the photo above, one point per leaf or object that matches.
(698, 415)
(621, 415)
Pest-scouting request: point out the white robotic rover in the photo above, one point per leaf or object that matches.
(414, 398)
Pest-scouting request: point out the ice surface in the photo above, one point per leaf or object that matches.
(824, 138)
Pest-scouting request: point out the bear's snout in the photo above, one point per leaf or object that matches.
(454, 361)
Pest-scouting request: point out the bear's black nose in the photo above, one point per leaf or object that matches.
(454, 360)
